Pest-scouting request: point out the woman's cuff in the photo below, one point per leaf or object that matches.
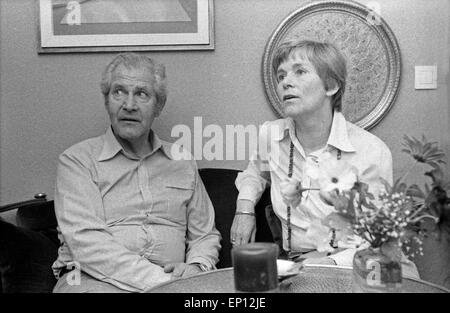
(249, 192)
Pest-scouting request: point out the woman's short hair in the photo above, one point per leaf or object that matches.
(328, 61)
(137, 61)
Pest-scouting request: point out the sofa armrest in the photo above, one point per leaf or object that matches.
(21, 204)
(26, 258)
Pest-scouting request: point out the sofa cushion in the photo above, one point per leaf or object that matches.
(219, 183)
(26, 257)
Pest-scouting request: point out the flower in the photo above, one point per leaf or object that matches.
(388, 220)
(434, 201)
(423, 151)
(331, 174)
(397, 216)
(291, 191)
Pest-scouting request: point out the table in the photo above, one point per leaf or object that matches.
(312, 279)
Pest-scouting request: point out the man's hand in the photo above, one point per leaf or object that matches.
(179, 270)
(243, 229)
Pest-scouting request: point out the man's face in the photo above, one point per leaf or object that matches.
(299, 86)
(131, 103)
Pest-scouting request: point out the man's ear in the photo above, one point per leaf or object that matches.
(158, 111)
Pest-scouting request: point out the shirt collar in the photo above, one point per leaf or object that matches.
(338, 135)
(160, 144)
(284, 130)
(111, 145)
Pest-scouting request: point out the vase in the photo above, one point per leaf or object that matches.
(375, 272)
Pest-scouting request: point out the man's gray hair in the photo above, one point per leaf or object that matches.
(137, 61)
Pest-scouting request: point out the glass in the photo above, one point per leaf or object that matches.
(255, 267)
(375, 272)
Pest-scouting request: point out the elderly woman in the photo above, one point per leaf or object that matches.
(311, 79)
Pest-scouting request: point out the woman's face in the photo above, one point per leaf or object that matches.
(300, 88)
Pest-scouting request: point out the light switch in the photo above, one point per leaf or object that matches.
(426, 77)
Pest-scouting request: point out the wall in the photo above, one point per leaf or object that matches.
(49, 102)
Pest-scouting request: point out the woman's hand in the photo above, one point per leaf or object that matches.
(243, 229)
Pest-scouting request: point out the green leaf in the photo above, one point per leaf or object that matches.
(386, 184)
(415, 191)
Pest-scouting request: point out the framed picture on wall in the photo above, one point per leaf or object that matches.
(118, 25)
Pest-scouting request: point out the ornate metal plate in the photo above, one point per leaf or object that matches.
(371, 49)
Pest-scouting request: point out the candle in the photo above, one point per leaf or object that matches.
(255, 267)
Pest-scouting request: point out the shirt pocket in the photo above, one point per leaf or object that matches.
(177, 195)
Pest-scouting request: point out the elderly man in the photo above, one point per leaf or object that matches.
(130, 214)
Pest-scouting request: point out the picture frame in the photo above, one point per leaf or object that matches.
(66, 26)
(368, 44)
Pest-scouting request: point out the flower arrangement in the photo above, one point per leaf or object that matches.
(400, 213)
(382, 221)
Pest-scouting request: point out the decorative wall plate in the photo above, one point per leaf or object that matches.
(371, 49)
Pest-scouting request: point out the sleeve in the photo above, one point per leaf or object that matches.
(379, 167)
(386, 168)
(252, 182)
(77, 199)
(203, 239)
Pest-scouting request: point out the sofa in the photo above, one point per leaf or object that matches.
(29, 247)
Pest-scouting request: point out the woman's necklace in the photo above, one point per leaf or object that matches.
(290, 172)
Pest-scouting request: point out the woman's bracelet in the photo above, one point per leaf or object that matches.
(244, 213)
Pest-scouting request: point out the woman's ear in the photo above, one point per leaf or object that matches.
(332, 91)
